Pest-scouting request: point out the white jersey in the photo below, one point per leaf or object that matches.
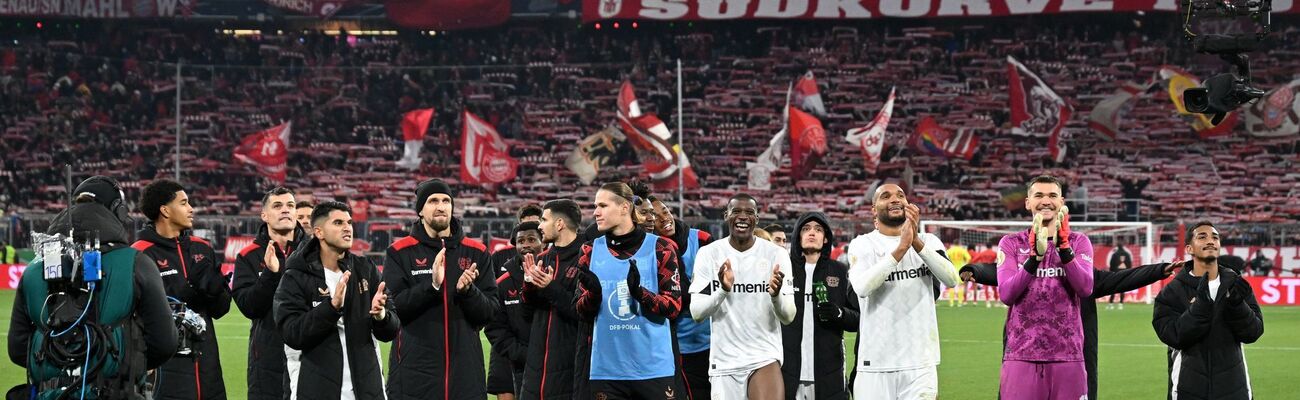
(898, 323)
(747, 321)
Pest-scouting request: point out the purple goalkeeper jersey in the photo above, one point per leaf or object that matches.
(1043, 322)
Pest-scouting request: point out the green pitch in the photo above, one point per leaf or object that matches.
(1132, 359)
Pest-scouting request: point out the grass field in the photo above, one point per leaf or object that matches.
(1132, 359)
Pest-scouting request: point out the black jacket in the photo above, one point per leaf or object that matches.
(190, 273)
(508, 331)
(1205, 337)
(156, 325)
(828, 336)
(308, 323)
(554, 331)
(438, 353)
(254, 293)
(1104, 283)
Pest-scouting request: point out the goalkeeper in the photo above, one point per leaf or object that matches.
(1043, 276)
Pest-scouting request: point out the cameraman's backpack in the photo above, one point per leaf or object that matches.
(115, 364)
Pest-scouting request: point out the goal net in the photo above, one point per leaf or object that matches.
(1137, 239)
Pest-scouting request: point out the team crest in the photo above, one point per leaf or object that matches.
(570, 273)
(601, 396)
(1001, 256)
(833, 281)
(198, 258)
(609, 9)
(465, 264)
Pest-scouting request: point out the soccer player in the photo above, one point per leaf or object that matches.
(303, 214)
(190, 273)
(500, 381)
(508, 332)
(258, 270)
(959, 257)
(1205, 315)
(893, 270)
(986, 255)
(740, 284)
(778, 235)
(548, 292)
(1121, 259)
(1105, 283)
(331, 307)
(692, 337)
(1043, 275)
(629, 293)
(825, 308)
(443, 292)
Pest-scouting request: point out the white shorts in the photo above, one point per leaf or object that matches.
(730, 387)
(914, 384)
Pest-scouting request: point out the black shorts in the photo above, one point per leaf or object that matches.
(500, 378)
(695, 370)
(665, 388)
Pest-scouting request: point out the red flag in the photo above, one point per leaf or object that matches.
(807, 96)
(1036, 110)
(267, 151)
(807, 142)
(932, 139)
(485, 157)
(871, 137)
(414, 124)
(653, 143)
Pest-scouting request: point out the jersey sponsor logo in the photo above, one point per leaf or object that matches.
(742, 287)
(1050, 272)
(169, 272)
(422, 272)
(908, 274)
(511, 302)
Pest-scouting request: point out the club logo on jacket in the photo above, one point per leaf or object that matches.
(833, 281)
(669, 394)
(198, 258)
(570, 273)
(422, 262)
(465, 263)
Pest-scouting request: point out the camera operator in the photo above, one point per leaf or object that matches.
(191, 277)
(132, 334)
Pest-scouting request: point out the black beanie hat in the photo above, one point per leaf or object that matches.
(429, 188)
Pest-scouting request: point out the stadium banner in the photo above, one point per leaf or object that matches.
(13, 274)
(703, 10)
(98, 9)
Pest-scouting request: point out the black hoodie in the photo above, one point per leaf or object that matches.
(438, 352)
(191, 274)
(828, 336)
(548, 371)
(155, 318)
(309, 324)
(254, 293)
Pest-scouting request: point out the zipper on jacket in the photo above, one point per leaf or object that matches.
(446, 333)
(181, 255)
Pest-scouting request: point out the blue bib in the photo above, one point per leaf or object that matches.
(692, 337)
(625, 345)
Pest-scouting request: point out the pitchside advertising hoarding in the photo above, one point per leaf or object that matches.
(1273, 290)
(703, 10)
